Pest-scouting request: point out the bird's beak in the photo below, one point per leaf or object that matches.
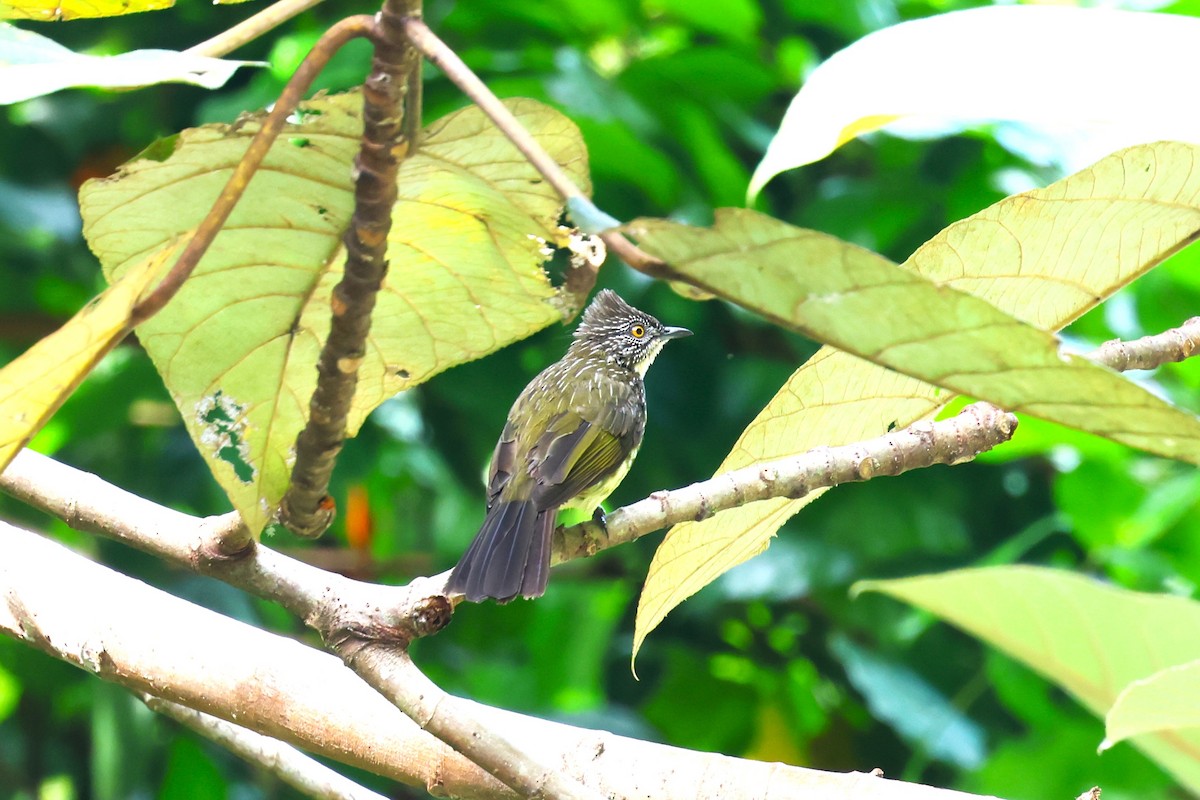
(675, 333)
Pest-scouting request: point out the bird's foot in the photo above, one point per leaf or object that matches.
(599, 517)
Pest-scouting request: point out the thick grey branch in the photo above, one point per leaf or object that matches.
(140, 637)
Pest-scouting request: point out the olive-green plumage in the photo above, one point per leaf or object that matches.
(571, 437)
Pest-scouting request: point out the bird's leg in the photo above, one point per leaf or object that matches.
(599, 518)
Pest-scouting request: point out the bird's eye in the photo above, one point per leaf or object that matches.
(637, 331)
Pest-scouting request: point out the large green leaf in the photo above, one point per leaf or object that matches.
(237, 347)
(1044, 256)
(1092, 639)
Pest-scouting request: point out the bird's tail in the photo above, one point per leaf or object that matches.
(510, 554)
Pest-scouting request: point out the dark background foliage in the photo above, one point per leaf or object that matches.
(677, 100)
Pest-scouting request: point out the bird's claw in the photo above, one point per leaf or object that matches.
(599, 518)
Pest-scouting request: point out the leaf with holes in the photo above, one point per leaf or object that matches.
(238, 346)
(1045, 256)
(1091, 639)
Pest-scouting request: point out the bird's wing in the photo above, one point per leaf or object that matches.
(503, 463)
(574, 454)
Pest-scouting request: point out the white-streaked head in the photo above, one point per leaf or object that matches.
(627, 336)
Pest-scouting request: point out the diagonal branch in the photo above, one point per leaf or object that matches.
(977, 429)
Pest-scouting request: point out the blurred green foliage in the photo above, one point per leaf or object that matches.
(677, 99)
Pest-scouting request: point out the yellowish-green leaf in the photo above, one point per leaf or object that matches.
(238, 346)
(1092, 639)
(1045, 256)
(32, 65)
(35, 384)
(1037, 65)
(861, 303)
(1167, 701)
(53, 10)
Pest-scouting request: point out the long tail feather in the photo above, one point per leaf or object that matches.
(509, 556)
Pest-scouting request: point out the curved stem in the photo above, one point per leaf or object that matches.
(250, 29)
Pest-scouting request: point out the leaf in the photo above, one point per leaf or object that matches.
(1030, 64)
(1167, 702)
(861, 303)
(1091, 639)
(238, 346)
(53, 10)
(35, 384)
(1045, 256)
(32, 65)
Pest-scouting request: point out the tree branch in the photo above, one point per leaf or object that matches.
(282, 760)
(977, 429)
(306, 509)
(1151, 351)
(144, 639)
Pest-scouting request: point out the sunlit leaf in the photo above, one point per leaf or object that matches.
(47, 10)
(1091, 639)
(1032, 64)
(238, 347)
(1167, 702)
(1044, 256)
(35, 384)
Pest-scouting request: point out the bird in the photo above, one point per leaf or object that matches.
(569, 440)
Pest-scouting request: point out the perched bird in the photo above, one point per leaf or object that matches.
(571, 437)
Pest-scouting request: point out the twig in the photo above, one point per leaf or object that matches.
(287, 763)
(978, 428)
(329, 43)
(1151, 351)
(442, 57)
(306, 509)
(250, 29)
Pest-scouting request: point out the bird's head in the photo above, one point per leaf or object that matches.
(626, 336)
